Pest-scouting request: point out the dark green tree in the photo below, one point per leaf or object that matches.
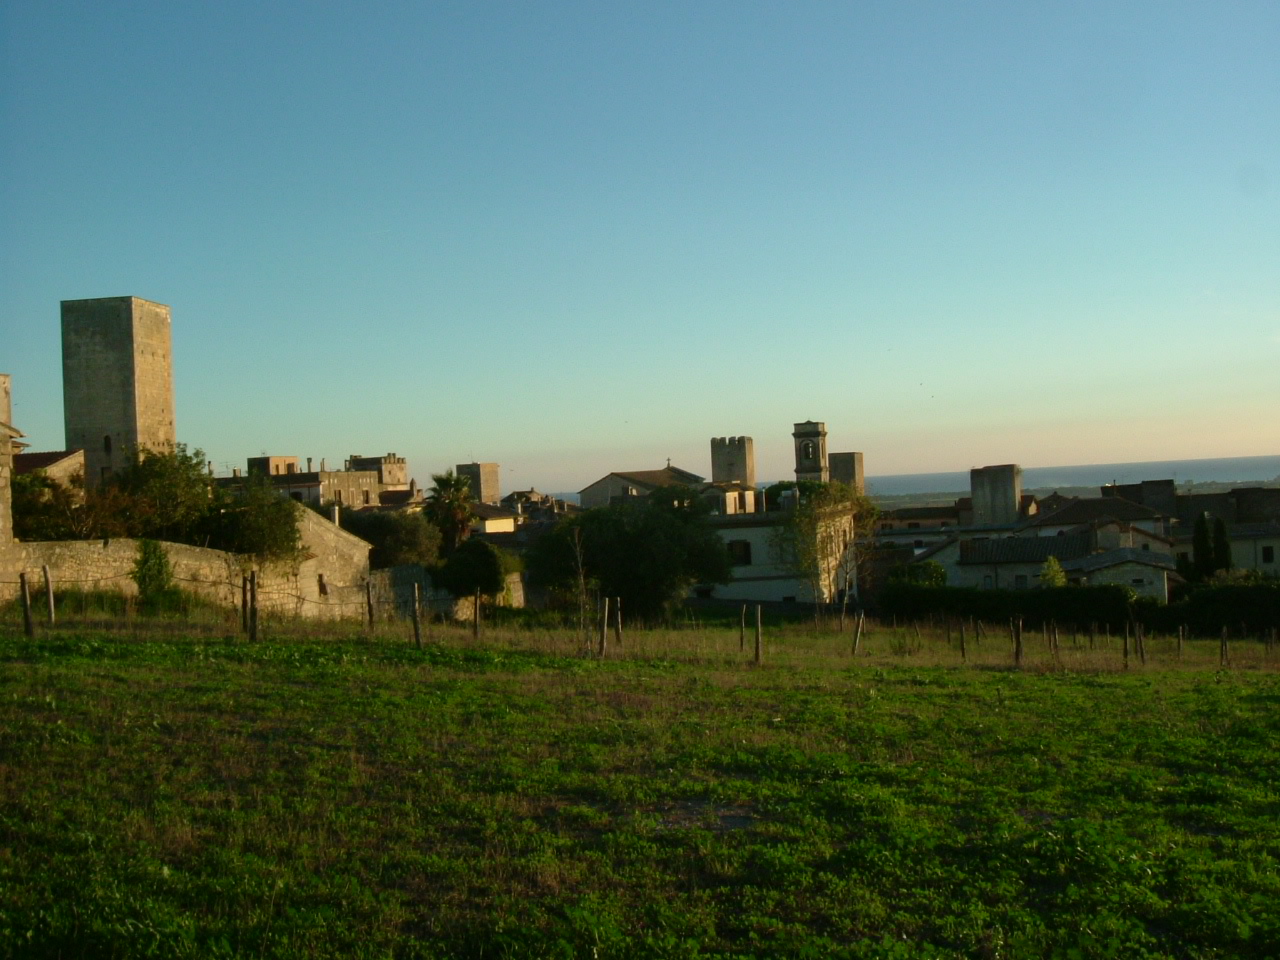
(1202, 558)
(648, 552)
(449, 508)
(165, 495)
(152, 572)
(397, 537)
(254, 519)
(1221, 546)
(926, 573)
(474, 567)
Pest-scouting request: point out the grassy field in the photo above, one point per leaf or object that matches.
(331, 794)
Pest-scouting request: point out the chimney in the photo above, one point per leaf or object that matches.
(235, 471)
(308, 464)
(334, 513)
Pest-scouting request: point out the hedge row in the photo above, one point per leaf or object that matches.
(1251, 609)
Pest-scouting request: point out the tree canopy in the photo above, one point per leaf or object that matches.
(449, 508)
(649, 552)
(397, 537)
(160, 496)
(474, 567)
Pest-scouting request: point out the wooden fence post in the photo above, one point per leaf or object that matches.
(253, 605)
(1016, 626)
(368, 602)
(417, 615)
(617, 621)
(1181, 630)
(244, 603)
(1222, 649)
(48, 592)
(28, 624)
(1126, 644)
(742, 630)
(1140, 638)
(475, 620)
(964, 652)
(759, 638)
(603, 646)
(857, 631)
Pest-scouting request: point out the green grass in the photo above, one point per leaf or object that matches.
(325, 794)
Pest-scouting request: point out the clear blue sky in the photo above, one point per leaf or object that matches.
(576, 237)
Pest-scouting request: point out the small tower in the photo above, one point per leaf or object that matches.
(483, 480)
(733, 460)
(117, 381)
(996, 493)
(847, 468)
(811, 451)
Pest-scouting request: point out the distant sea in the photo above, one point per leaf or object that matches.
(1223, 470)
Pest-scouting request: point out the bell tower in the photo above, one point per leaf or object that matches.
(811, 451)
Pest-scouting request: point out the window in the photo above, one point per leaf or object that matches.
(366, 497)
(912, 525)
(740, 553)
(1268, 554)
(1146, 546)
(987, 582)
(1138, 582)
(1020, 581)
(106, 444)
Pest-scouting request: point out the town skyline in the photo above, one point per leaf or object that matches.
(573, 240)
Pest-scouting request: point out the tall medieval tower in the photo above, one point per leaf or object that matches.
(733, 460)
(117, 381)
(811, 451)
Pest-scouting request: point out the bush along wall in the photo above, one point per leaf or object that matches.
(1240, 608)
(1104, 606)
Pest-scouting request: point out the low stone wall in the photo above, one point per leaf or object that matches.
(108, 565)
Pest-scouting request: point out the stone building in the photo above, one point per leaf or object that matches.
(483, 479)
(633, 483)
(366, 481)
(996, 493)
(733, 460)
(8, 434)
(117, 380)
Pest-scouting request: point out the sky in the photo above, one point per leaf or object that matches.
(576, 237)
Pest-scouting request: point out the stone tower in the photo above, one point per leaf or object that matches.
(117, 380)
(733, 459)
(997, 494)
(847, 469)
(811, 451)
(483, 479)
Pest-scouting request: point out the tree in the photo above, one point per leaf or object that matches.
(1210, 552)
(449, 508)
(397, 537)
(822, 539)
(1202, 559)
(926, 573)
(152, 572)
(1221, 546)
(165, 495)
(648, 552)
(255, 520)
(1052, 574)
(474, 567)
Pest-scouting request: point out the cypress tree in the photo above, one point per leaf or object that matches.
(1201, 549)
(1221, 546)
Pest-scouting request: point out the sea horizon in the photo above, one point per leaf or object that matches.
(1208, 470)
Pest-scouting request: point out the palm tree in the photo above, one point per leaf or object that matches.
(449, 507)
